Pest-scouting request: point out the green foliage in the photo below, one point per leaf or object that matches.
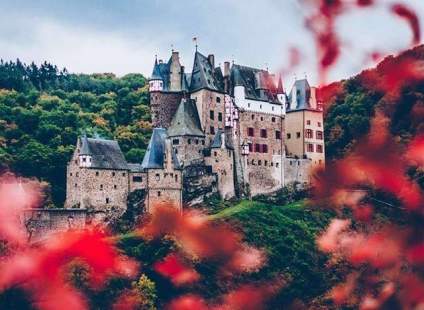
(146, 289)
(44, 109)
(286, 233)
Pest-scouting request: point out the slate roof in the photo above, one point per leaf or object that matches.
(205, 76)
(135, 167)
(155, 154)
(303, 95)
(259, 84)
(217, 141)
(162, 71)
(186, 120)
(105, 154)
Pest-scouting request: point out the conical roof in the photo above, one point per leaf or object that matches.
(186, 120)
(156, 74)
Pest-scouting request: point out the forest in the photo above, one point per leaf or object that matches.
(44, 109)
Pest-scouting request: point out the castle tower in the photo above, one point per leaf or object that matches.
(156, 81)
(221, 160)
(165, 87)
(305, 124)
(163, 172)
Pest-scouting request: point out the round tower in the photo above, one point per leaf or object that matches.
(156, 80)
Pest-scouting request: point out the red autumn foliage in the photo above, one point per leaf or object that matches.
(376, 161)
(173, 268)
(188, 302)
(16, 195)
(247, 297)
(203, 239)
(41, 271)
(411, 17)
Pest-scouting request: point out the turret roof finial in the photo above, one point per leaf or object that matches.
(195, 41)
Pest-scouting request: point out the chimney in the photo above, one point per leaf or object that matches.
(211, 59)
(175, 56)
(226, 68)
(160, 61)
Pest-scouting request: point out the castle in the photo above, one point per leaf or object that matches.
(232, 131)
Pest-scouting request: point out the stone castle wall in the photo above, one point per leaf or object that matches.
(263, 168)
(98, 189)
(222, 163)
(188, 149)
(207, 101)
(297, 171)
(163, 106)
(164, 186)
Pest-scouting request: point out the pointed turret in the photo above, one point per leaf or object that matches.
(156, 81)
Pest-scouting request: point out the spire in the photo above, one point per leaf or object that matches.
(156, 75)
(280, 88)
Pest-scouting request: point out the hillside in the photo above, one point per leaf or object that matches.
(43, 110)
(395, 85)
(286, 233)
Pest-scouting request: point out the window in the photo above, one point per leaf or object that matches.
(220, 116)
(157, 176)
(319, 148)
(123, 174)
(97, 173)
(101, 187)
(218, 100)
(319, 135)
(175, 141)
(251, 132)
(115, 187)
(176, 178)
(264, 148)
(259, 162)
(257, 148)
(215, 154)
(319, 124)
(309, 133)
(262, 119)
(84, 159)
(196, 141)
(277, 164)
(310, 147)
(189, 141)
(263, 133)
(273, 118)
(265, 163)
(203, 142)
(70, 174)
(298, 135)
(212, 115)
(308, 122)
(137, 179)
(76, 185)
(159, 193)
(113, 174)
(288, 136)
(212, 130)
(278, 135)
(107, 200)
(250, 147)
(253, 116)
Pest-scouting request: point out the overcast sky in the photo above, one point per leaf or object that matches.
(123, 36)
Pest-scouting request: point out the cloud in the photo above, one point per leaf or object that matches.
(79, 49)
